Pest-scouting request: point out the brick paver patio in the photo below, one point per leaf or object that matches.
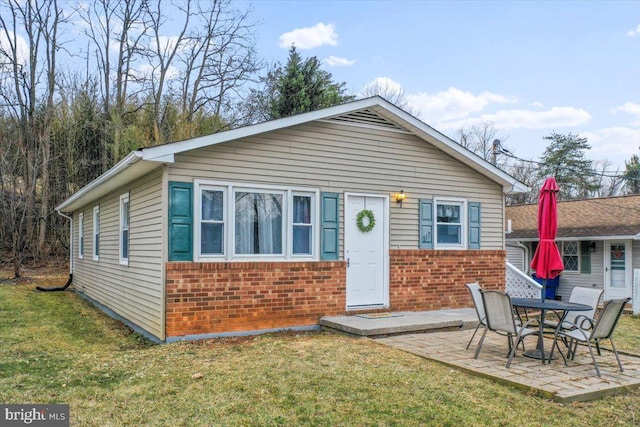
(576, 382)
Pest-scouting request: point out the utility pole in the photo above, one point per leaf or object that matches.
(496, 150)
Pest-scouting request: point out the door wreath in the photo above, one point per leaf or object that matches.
(360, 220)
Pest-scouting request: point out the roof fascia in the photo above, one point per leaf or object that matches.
(159, 151)
(131, 159)
(422, 130)
(446, 144)
(569, 239)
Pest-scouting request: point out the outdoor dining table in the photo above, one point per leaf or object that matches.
(544, 306)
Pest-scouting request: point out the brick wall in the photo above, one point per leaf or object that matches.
(434, 279)
(205, 298)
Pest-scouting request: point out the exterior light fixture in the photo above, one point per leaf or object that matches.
(400, 197)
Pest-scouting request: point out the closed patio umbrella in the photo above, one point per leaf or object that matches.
(547, 261)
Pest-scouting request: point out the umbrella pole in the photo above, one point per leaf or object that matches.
(544, 290)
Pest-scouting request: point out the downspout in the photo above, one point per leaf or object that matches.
(63, 288)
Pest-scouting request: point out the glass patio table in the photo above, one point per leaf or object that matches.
(544, 306)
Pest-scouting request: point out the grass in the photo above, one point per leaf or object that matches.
(56, 348)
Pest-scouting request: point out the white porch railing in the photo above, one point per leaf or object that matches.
(519, 285)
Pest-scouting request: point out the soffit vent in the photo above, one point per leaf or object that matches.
(368, 118)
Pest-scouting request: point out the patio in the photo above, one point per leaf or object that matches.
(576, 382)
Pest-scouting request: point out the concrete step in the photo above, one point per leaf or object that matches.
(397, 323)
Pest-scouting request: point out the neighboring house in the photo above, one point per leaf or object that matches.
(255, 229)
(597, 238)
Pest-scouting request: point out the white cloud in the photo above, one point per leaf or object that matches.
(616, 144)
(335, 61)
(453, 104)
(629, 108)
(538, 104)
(634, 32)
(310, 37)
(21, 46)
(555, 117)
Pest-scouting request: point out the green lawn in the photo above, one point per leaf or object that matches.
(56, 348)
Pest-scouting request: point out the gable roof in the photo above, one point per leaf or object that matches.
(374, 111)
(593, 219)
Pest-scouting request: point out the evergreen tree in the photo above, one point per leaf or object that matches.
(565, 160)
(632, 175)
(301, 85)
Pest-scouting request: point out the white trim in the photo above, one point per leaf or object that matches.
(386, 262)
(628, 267)
(124, 198)
(464, 222)
(152, 157)
(81, 235)
(565, 239)
(230, 188)
(96, 232)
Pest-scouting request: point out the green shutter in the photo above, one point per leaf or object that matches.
(474, 225)
(330, 226)
(425, 223)
(180, 221)
(585, 257)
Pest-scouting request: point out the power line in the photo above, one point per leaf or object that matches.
(593, 172)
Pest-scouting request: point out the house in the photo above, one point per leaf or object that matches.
(357, 207)
(597, 238)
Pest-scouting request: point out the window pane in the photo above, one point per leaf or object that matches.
(570, 248)
(302, 239)
(570, 263)
(212, 237)
(258, 219)
(125, 243)
(449, 234)
(125, 214)
(301, 210)
(212, 205)
(448, 213)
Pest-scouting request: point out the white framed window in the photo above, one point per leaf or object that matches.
(81, 235)
(247, 221)
(96, 233)
(210, 236)
(570, 251)
(124, 229)
(302, 224)
(450, 223)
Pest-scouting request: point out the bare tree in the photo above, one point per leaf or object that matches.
(526, 172)
(118, 26)
(483, 139)
(392, 92)
(219, 58)
(28, 58)
(162, 52)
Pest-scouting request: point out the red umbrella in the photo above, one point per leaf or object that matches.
(547, 261)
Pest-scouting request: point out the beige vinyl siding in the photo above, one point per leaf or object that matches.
(348, 158)
(516, 256)
(569, 280)
(134, 291)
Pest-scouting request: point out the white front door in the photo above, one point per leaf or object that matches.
(617, 269)
(366, 252)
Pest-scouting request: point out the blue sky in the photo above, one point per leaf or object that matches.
(530, 68)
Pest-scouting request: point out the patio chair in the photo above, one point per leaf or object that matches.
(474, 290)
(580, 295)
(499, 318)
(596, 331)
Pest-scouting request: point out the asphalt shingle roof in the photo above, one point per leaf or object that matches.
(610, 216)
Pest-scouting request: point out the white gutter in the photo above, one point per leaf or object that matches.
(123, 164)
(70, 239)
